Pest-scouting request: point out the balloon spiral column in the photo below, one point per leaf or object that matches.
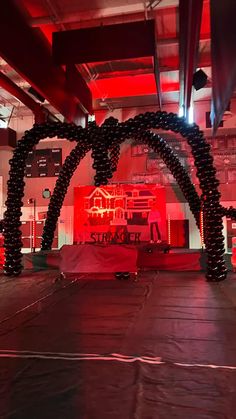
(229, 212)
(72, 161)
(160, 146)
(59, 193)
(213, 226)
(105, 144)
(12, 233)
(105, 152)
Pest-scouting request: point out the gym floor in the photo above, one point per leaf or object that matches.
(94, 347)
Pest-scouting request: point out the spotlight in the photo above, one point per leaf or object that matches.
(91, 118)
(181, 111)
(190, 115)
(199, 79)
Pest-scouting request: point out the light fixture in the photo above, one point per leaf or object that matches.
(190, 115)
(181, 111)
(46, 193)
(91, 118)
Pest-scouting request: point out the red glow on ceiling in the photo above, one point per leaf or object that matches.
(169, 63)
(123, 86)
(47, 30)
(166, 23)
(169, 87)
(35, 9)
(127, 62)
(205, 24)
(139, 85)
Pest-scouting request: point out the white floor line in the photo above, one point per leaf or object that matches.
(63, 356)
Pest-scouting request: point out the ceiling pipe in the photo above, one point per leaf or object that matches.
(190, 13)
(157, 79)
(153, 4)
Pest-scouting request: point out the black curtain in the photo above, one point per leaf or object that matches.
(223, 52)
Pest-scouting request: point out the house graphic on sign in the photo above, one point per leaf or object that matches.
(118, 205)
(102, 203)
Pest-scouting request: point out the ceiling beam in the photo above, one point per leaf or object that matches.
(32, 60)
(78, 86)
(19, 94)
(90, 15)
(190, 13)
(94, 17)
(104, 43)
(112, 42)
(174, 41)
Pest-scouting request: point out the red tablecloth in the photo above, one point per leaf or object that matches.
(98, 258)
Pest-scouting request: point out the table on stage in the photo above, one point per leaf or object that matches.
(98, 258)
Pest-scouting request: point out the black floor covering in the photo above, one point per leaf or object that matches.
(163, 347)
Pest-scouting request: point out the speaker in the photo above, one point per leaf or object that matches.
(199, 79)
(33, 92)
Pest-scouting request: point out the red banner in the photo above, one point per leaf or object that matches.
(119, 214)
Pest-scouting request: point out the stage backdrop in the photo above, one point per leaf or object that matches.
(117, 213)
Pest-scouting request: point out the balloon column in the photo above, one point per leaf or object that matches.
(104, 141)
(12, 233)
(59, 193)
(229, 212)
(160, 146)
(67, 171)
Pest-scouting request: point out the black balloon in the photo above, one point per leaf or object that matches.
(104, 141)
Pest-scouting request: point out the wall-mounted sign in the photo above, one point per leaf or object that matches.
(44, 163)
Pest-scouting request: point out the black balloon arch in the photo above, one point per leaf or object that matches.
(105, 141)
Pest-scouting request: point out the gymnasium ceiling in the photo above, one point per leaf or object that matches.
(113, 84)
